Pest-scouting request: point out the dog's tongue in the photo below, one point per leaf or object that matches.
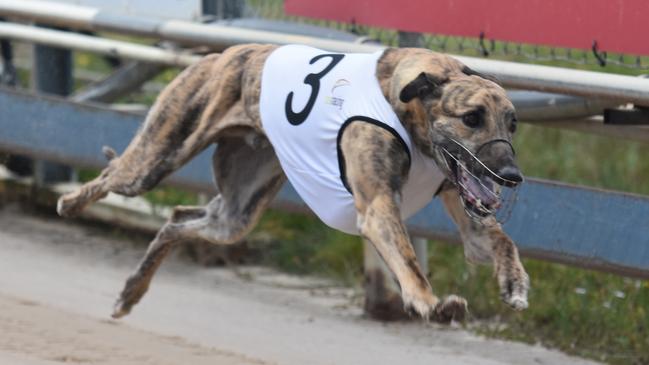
(481, 189)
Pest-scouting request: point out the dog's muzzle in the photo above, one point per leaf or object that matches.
(483, 192)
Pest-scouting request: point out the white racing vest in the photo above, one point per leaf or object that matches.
(307, 95)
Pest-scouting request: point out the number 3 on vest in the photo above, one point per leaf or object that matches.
(314, 81)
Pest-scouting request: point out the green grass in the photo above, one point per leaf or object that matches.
(583, 159)
(303, 245)
(591, 314)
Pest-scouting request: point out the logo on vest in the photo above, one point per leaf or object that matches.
(333, 100)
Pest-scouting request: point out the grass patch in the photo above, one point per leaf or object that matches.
(584, 159)
(591, 314)
(303, 245)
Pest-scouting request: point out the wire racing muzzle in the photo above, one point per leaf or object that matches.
(483, 192)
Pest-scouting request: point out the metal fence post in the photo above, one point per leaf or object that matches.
(223, 9)
(52, 74)
(8, 74)
(8, 77)
(411, 39)
(382, 293)
(420, 245)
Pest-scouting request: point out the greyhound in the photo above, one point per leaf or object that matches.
(366, 139)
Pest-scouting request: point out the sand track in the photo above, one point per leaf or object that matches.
(48, 335)
(58, 281)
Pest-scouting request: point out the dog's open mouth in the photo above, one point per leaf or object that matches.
(480, 195)
(483, 192)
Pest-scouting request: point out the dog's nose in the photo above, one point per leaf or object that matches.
(511, 173)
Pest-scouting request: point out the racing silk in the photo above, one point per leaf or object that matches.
(308, 97)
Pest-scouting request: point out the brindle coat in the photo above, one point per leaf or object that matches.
(217, 101)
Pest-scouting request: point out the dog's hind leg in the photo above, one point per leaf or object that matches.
(160, 145)
(248, 177)
(187, 117)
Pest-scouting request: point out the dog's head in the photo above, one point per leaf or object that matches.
(463, 120)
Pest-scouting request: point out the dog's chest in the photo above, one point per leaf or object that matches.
(306, 96)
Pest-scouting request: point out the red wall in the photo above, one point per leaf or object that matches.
(617, 25)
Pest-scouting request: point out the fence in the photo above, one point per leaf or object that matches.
(579, 226)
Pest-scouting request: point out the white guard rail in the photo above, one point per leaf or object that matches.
(531, 77)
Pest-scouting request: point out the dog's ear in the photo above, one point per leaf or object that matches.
(471, 72)
(423, 86)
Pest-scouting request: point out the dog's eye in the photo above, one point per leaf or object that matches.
(512, 125)
(472, 119)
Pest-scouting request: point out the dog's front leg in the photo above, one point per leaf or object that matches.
(512, 278)
(376, 166)
(379, 223)
(484, 241)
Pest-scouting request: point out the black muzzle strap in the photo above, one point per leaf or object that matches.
(477, 153)
(473, 163)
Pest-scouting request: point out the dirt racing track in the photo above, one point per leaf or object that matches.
(58, 281)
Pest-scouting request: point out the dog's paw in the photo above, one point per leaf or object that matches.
(452, 308)
(429, 307)
(67, 205)
(127, 299)
(420, 304)
(134, 289)
(71, 204)
(120, 309)
(514, 285)
(125, 302)
(517, 302)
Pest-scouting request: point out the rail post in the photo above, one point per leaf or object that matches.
(223, 9)
(8, 74)
(412, 39)
(52, 74)
(8, 77)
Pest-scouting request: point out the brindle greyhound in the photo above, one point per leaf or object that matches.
(217, 101)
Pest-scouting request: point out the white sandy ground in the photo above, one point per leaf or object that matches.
(58, 281)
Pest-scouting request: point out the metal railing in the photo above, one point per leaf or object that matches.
(551, 221)
(531, 106)
(531, 77)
